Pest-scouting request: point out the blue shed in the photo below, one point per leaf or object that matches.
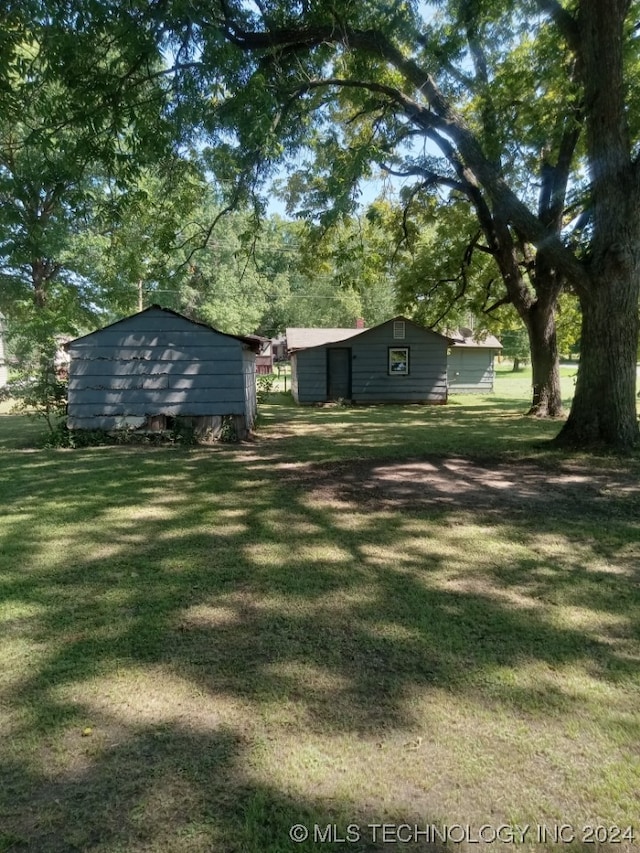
(471, 362)
(145, 370)
(395, 362)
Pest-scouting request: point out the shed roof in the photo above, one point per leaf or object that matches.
(253, 341)
(300, 338)
(466, 338)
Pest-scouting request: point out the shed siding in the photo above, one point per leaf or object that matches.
(471, 370)
(294, 376)
(157, 363)
(427, 378)
(370, 378)
(311, 375)
(250, 400)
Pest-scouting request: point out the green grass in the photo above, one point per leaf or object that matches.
(367, 615)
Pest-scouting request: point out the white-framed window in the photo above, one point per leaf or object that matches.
(398, 330)
(398, 361)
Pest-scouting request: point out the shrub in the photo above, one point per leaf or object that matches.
(265, 384)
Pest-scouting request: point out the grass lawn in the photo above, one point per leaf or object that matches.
(413, 615)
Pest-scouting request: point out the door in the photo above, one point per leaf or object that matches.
(339, 373)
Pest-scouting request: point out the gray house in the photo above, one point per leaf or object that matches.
(395, 362)
(471, 362)
(148, 369)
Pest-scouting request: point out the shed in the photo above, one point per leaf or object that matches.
(471, 362)
(397, 361)
(144, 371)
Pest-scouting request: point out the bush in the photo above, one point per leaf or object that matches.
(43, 396)
(265, 384)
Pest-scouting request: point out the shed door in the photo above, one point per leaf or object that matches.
(339, 373)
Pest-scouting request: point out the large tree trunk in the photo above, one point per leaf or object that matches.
(547, 396)
(604, 405)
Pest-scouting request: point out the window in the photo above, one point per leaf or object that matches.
(399, 361)
(398, 330)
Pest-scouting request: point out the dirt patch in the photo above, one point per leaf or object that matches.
(455, 482)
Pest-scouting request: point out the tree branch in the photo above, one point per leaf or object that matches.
(564, 20)
(436, 117)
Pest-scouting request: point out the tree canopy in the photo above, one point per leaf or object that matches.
(523, 109)
(524, 112)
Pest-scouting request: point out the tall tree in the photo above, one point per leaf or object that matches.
(427, 97)
(425, 90)
(359, 87)
(80, 116)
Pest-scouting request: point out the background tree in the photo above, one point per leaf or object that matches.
(364, 83)
(515, 346)
(445, 99)
(358, 88)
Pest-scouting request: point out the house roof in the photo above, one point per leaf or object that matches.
(466, 338)
(254, 341)
(305, 338)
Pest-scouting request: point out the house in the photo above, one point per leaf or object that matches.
(279, 348)
(471, 362)
(4, 373)
(146, 370)
(264, 359)
(395, 362)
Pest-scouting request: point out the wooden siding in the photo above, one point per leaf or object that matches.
(294, 376)
(311, 375)
(250, 399)
(370, 378)
(157, 363)
(427, 377)
(471, 370)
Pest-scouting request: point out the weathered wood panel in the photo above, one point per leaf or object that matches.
(151, 398)
(178, 339)
(370, 378)
(159, 353)
(427, 377)
(146, 367)
(141, 410)
(294, 377)
(158, 363)
(471, 371)
(206, 382)
(250, 398)
(311, 371)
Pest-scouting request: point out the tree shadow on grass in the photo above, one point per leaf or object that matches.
(253, 648)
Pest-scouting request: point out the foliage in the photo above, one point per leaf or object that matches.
(515, 346)
(505, 107)
(265, 386)
(443, 98)
(39, 384)
(76, 129)
(228, 432)
(43, 395)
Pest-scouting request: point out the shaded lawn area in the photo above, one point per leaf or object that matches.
(410, 615)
